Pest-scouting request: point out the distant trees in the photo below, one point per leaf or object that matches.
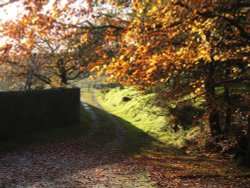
(66, 41)
(51, 63)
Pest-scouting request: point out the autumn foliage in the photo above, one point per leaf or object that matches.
(188, 47)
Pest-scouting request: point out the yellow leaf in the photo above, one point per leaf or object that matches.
(141, 10)
(154, 8)
(216, 57)
(34, 19)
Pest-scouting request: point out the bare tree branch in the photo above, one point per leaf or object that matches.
(7, 3)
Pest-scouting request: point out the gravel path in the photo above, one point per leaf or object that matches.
(75, 163)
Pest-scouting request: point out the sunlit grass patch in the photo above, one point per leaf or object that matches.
(139, 110)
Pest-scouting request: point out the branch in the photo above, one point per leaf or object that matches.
(111, 16)
(76, 76)
(243, 33)
(7, 3)
(72, 68)
(42, 78)
(236, 80)
(90, 26)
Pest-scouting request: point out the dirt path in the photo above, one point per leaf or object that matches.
(91, 162)
(120, 132)
(84, 162)
(119, 174)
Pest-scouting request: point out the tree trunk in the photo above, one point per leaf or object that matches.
(63, 76)
(248, 136)
(63, 72)
(29, 81)
(214, 117)
(214, 122)
(176, 81)
(228, 105)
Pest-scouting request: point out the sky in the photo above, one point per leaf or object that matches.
(10, 11)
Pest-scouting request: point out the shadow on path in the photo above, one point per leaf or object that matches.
(93, 160)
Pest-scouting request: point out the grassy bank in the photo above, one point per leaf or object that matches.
(145, 118)
(138, 109)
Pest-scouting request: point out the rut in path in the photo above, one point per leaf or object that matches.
(120, 131)
(79, 163)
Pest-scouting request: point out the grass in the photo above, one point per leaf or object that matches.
(135, 140)
(55, 134)
(145, 127)
(142, 114)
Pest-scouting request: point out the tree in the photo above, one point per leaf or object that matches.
(199, 45)
(67, 40)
